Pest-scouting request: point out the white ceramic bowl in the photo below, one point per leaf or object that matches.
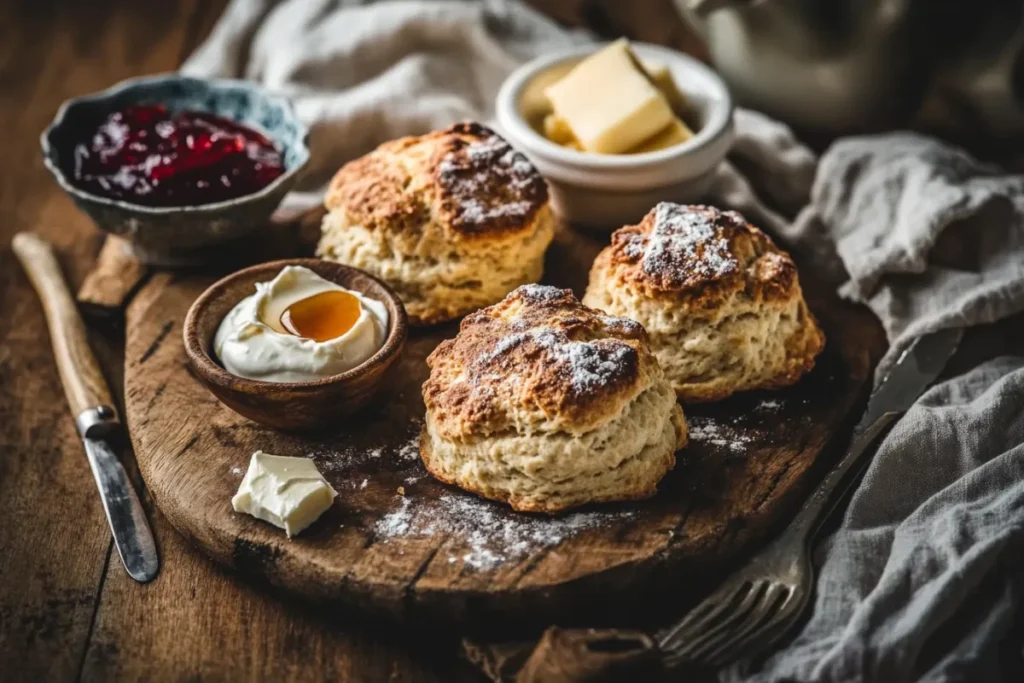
(608, 191)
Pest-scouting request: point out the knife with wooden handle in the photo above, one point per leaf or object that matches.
(92, 405)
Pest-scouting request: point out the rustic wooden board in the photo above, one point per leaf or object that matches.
(437, 553)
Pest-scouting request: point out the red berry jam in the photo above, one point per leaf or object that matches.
(146, 155)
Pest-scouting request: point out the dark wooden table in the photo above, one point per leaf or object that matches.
(68, 611)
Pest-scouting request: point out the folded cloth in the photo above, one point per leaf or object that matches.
(360, 74)
(926, 572)
(919, 579)
(930, 238)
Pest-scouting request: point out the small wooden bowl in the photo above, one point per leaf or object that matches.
(291, 405)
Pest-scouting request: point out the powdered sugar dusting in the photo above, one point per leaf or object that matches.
(490, 183)
(538, 292)
(622, 325)
(475, 211)
(684, 243)
(593, 365)
(491, 535)
(586, 366)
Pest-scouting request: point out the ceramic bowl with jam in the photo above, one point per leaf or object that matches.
(177, 165)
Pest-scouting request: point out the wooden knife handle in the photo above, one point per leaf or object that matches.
(80, 374)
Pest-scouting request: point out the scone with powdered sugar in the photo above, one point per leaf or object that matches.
(453, 220)
(721, 303)
(546, 404)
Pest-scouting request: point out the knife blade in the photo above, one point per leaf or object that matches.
(92, 404)
(915, 369)
(128, 525)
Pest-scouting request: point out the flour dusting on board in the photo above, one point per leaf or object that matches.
(337, 459)
(493, 536)
(707, 430)
(769, 405)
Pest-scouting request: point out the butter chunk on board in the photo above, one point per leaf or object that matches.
(289, 493)
(609, 103)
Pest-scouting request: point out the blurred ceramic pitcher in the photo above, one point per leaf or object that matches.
(842, 66)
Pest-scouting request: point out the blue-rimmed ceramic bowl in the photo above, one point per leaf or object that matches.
(179, 235)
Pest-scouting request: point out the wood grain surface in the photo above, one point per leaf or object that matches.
(68, 612)
(401, 545)
(113, 280)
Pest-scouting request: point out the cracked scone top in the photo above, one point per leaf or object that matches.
(721, 303)
(546, 404)
(453, 220)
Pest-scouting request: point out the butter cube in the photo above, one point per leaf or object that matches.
(673, 134)
(557, 130)
(663, 81)
(608, 102)
(290, 493)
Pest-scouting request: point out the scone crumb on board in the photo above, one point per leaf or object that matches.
(401, 490)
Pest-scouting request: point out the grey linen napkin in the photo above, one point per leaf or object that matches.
(922, 577)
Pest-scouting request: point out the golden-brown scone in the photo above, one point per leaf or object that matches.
(721, 303)
(453, 220)
(546, 404)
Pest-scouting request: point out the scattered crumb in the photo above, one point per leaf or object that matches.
(237, 471)
(769, 404)
(401, 490)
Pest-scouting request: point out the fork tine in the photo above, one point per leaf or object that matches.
(701, 615)
(682, 649)
(751, 611)
(783, 624)
(765, 631)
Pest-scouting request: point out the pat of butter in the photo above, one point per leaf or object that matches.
(608, 102)
(557, 130)
(290, 493)
(663, 81)
(673, 134)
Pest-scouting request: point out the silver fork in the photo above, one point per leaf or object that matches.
(758, 604)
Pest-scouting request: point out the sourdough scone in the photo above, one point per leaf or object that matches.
(721, 303)
(453, 220)
(546, 404)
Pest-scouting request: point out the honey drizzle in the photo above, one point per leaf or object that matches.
(322, 317)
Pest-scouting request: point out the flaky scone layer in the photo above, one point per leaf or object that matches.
(546, 404)
(722, 305)
(453, 220)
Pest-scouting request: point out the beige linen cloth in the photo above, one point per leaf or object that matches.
(923, 577)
